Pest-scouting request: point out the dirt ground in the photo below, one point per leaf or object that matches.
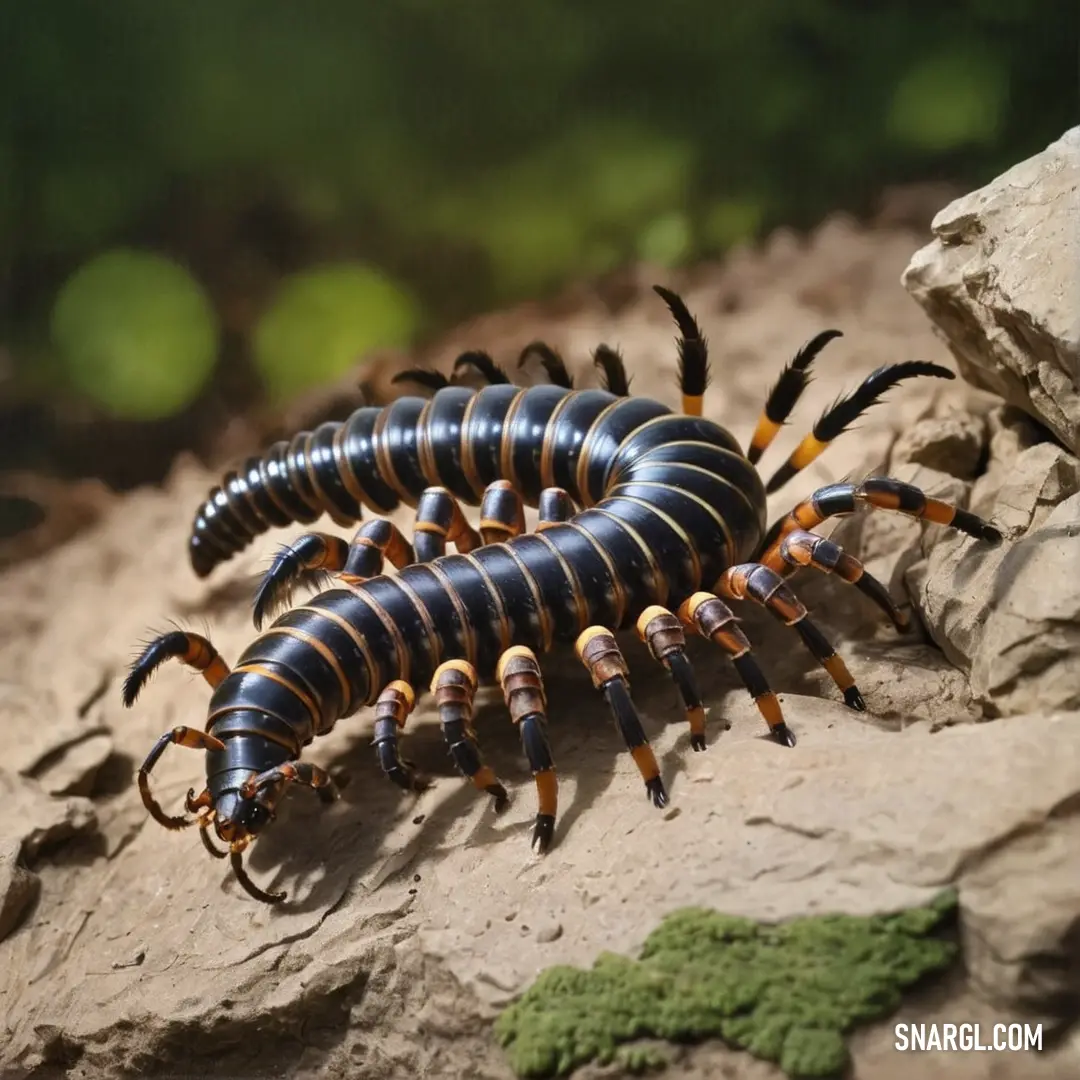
(412, 920)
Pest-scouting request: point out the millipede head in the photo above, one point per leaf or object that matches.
(239, 818)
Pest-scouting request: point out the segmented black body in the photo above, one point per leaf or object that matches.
(669, 502)
(670, 518)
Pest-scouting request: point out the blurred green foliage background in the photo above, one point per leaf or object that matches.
(203, 197)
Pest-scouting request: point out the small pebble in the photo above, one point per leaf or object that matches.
(671, 813)
(135, 961)
(416, 877)
(419, 819)
(551, 932)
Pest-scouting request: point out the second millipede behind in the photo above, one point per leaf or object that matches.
(648, 518)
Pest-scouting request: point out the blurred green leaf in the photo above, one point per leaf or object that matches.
(545, 215)
(948, 100)
(666, 240)
(135, 333)
(324, 320)
(732, 221)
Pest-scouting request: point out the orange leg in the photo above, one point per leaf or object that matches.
(181, 736)
(714, 620)
(752, 581)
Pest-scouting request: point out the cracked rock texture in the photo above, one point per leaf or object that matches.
(412, 919)
(1001, 279)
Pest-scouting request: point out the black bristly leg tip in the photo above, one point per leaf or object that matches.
(417, 781)
(783, 735)
(991, 535)
(543, 831)
(654, 788)
(697, 742)
(499, 794)
(327, 795)
(854, 700)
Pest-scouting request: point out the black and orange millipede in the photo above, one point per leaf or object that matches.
(642, 511)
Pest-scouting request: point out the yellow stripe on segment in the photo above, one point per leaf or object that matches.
(838, 670)
(618, 591)
(547, 444)
(331, 660)
(806, 451)
(764, 434)
(424, 450)
(661, 589)
(542, 614)
(467, 629)
(466, 453)
(581, 604)
(769, 707)
(505, 633)
(326, 504)
(673, 525)
(434, 641)
(707, 472)
(384, 460)
(721, 524)
(309, 703)
(588, 444)
(645, 760)
(506, 441)
(939, 512)
(401, 649)
(463, 667)
(357, 639)
(298, 446)
(696, 718)
(547, 792)
(347, 473)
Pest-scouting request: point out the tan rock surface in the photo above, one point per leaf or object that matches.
(18, 887)
(1002, 280)
(411, 919)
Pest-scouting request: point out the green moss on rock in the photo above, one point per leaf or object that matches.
(785, 993)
